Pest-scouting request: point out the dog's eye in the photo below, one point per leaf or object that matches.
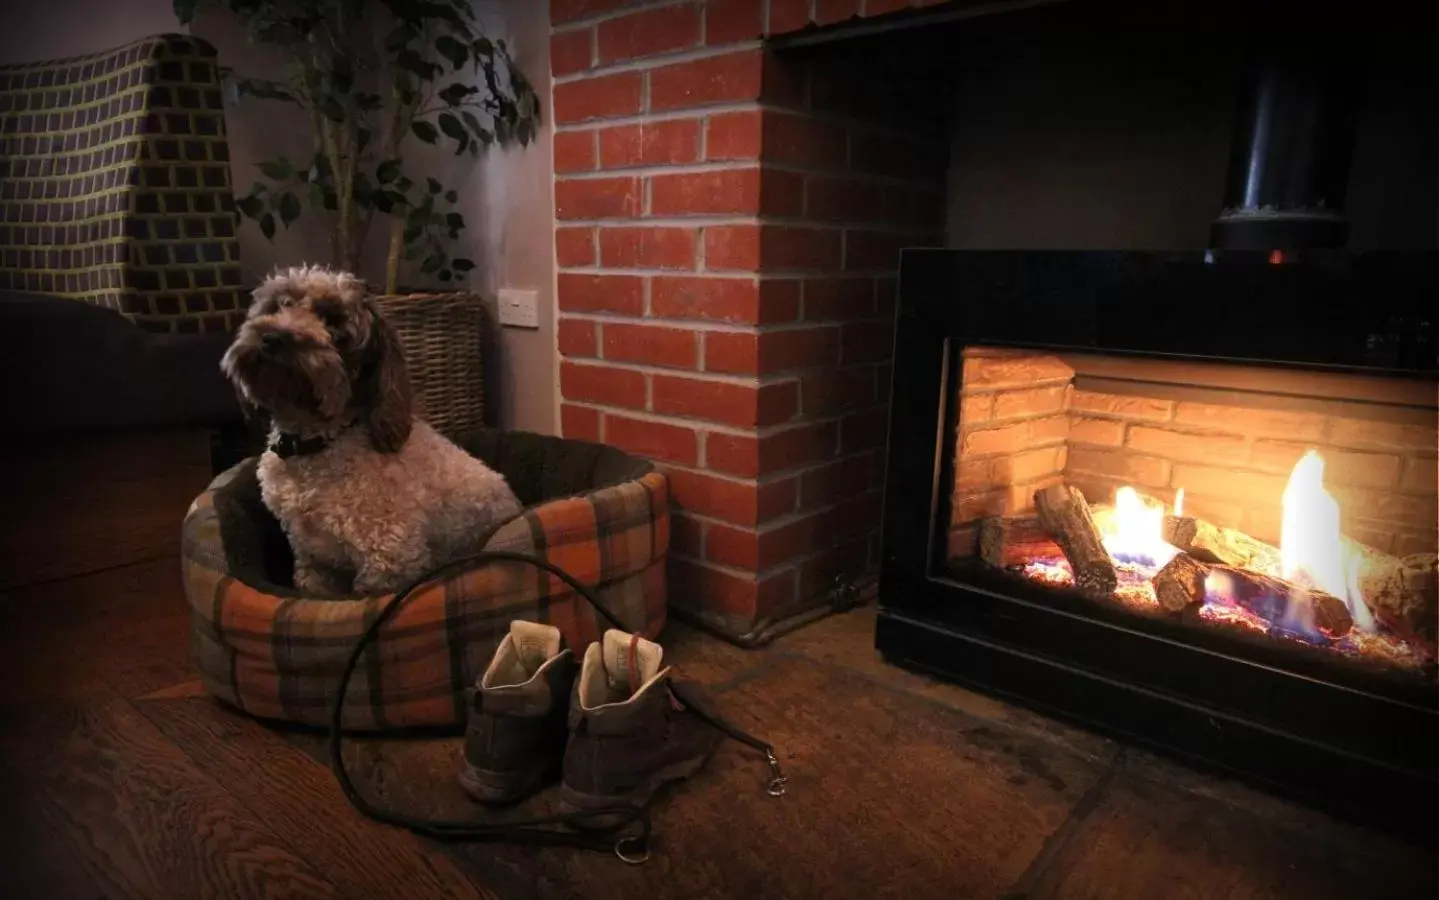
(334, 319)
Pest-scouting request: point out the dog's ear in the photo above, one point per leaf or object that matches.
(387, 388)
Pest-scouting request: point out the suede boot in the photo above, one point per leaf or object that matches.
(515, 737)
(629, 736)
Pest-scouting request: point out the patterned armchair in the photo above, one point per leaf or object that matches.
(119, 266)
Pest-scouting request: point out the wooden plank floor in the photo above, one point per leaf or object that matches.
(119, 778)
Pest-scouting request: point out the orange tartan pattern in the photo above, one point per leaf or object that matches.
(279, 657)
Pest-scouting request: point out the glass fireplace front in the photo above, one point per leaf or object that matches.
(1288, 513)
(1185, 498)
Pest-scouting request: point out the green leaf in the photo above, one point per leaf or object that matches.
(342, 76)
(416, 64)
(456, 93)
(424, 131)
(444, 11)
(482, 134)
(462, 265)
(317, 194)
(446, 275)
(267, 226)
(452, 128)
(388, 171)
(434, 186)
(332, 109)
(454, 221)
(383, 202)
(398, 37)
(412, 233)
(451, 49)
(431, 264)
(414, 253)
(275, 32)
(264, 90)
(278, 169)
(403, 184)
(250, 207)
(289, 208)
(185, 11)
(452, 196)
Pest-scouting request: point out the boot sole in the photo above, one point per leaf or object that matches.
(572, 802)
(505, 788)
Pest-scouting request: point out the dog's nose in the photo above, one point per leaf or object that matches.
(273, 340)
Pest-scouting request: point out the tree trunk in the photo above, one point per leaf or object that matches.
(392, 258)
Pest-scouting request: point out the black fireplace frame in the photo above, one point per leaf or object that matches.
(1373, 753)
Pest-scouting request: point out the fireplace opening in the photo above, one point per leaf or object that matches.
(1286, 509)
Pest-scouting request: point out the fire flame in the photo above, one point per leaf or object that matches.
(1311, 548)
(1312, 551)
(1136, 531)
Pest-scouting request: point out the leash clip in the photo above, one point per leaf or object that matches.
(777, 779)
(638, 855)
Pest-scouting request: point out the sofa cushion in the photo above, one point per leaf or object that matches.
(77, 367)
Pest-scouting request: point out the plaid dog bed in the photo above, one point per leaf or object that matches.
(260, 646)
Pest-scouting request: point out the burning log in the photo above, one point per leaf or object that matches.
(1229, 546)
(1006, 542)
(1180, 583)
(1402, 593)
(1064, 512)
(1184, 581)
(1279, 601)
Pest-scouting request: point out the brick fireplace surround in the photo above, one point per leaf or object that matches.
(728, 228)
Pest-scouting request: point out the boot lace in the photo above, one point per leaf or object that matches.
(629, 835)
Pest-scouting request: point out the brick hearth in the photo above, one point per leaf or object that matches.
(729, 223)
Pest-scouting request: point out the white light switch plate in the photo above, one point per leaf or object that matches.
(519, 308)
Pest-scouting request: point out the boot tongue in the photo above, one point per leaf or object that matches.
(521, 654)
(630, 661)
(534, 644)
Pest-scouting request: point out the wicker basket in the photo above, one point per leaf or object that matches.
(443, 336)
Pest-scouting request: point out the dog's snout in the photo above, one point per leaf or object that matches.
(274, 340)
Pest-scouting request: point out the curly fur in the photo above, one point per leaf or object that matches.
(388, 498)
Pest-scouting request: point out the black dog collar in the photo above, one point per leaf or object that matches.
(286, 445)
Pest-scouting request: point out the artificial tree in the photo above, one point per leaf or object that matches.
(374, 76)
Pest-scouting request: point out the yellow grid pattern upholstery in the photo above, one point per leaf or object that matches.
(115, 184)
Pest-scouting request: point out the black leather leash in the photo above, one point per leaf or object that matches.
(632, 846)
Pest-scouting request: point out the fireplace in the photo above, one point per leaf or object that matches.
(1225, 497)
(1188, 498)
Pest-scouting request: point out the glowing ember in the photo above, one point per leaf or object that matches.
(1310, 545)
(1135, 533)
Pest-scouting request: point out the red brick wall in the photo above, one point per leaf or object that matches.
(729, 222)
